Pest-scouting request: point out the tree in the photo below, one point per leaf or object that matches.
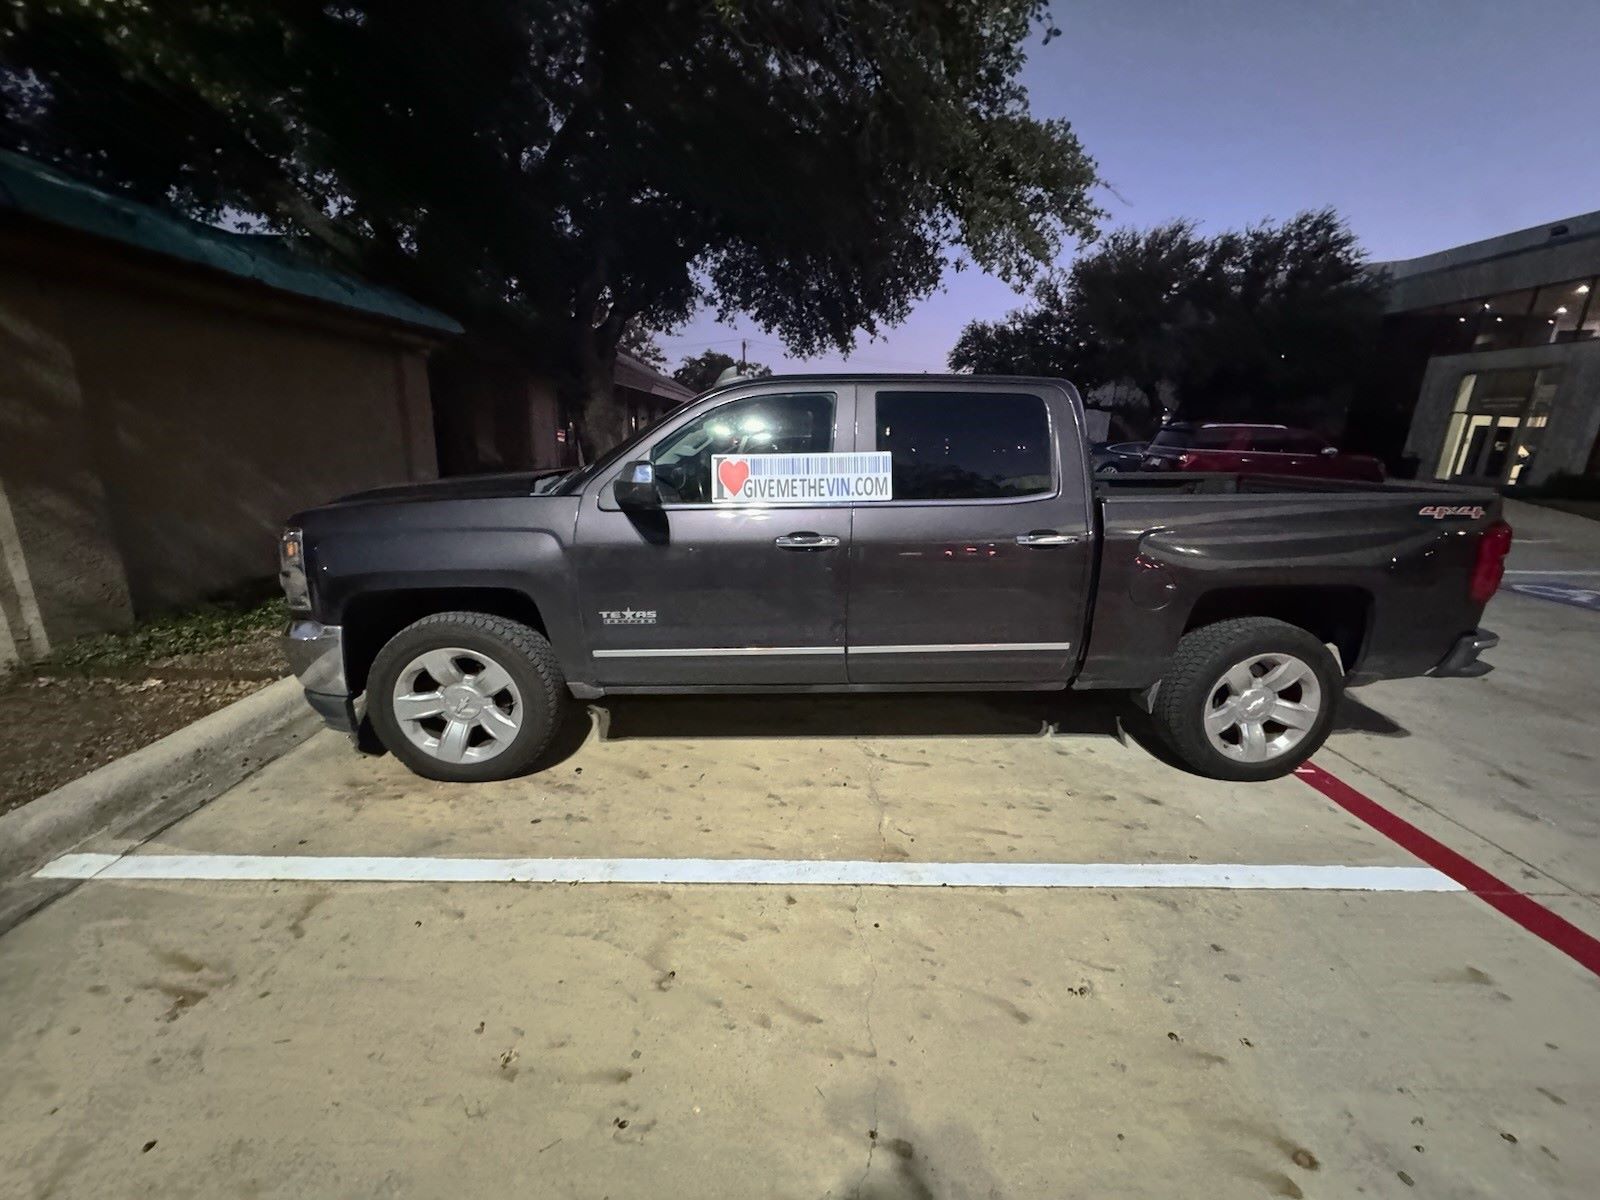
(641, 343)
(698, 372)
(550, 171)
(1272, 323)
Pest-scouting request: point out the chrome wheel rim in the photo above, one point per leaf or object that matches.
(456, 705)
(1262, 707)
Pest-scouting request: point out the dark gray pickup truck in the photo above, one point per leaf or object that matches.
(879, 533)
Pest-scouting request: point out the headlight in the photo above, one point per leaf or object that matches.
(292, 570)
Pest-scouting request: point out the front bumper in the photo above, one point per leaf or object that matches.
(1462, 661)
(316, 656)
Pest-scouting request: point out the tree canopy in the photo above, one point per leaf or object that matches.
(698, 372)
(641, 343)
(551, 170)
(1271, 323)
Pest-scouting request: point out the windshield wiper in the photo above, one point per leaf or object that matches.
(544, 484)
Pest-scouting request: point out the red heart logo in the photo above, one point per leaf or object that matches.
(733, 474)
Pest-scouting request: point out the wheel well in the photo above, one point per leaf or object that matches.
(371, 619)
(1339, 616)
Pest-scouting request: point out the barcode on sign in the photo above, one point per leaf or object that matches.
(763, 465)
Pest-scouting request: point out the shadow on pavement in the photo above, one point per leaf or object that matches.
(906, 714)
(1356, 717)
(902, 714)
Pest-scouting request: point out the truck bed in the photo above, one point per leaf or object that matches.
(1128, 484)
(1391, 555)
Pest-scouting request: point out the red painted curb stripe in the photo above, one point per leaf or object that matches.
(1524, 910)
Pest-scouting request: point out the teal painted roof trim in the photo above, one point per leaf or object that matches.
(31, 189)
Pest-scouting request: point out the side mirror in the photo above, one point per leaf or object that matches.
(635, 489)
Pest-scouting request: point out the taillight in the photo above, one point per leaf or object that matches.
(1487, 571)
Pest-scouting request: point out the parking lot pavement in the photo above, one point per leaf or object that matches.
(1504, 767)
(1547, 541)
(323, 1037)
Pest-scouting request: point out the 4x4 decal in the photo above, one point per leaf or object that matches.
(1471, 512)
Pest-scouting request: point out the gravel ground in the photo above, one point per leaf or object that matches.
(63, 724)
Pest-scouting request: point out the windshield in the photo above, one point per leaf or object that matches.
(574, 482)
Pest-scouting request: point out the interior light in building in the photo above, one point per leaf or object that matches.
(1582, 289)
(1485, 304)
(1499, 318)
(1461, 319)
(1561, 309)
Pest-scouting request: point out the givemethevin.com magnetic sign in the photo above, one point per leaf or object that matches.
(800, 478)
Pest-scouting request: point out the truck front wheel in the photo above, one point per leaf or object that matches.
(466, 697)
(1247, 699)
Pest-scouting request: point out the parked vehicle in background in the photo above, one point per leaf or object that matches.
(880, 533)
(1254, 450)
(1108, 458)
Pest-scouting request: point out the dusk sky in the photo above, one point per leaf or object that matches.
(1426, 123)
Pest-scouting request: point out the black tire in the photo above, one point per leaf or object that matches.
(1198, 664)
(524, 654)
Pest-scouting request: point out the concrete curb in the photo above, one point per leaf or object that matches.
(161, 782)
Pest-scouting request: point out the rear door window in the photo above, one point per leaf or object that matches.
(1270, 441)
(1219, 437)
(966, 445)
(1305, 443)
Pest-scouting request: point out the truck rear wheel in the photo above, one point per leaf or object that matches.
(466, 697)
(1248, 699)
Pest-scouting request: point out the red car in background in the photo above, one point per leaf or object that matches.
(1254, 450)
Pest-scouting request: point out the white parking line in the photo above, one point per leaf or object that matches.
(758, 871)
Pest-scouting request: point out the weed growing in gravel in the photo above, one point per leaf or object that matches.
(211, 627)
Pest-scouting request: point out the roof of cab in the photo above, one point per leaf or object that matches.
(923, 377)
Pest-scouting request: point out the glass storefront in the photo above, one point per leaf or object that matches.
(1559, 312)
(1497, 424)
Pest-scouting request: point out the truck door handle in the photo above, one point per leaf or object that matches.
(1048, 537)
(806, 541)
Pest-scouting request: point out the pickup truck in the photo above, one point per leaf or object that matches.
(851, 533)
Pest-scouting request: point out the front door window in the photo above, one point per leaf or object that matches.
(785, 423)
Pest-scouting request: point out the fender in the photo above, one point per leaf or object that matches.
(519, 544)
